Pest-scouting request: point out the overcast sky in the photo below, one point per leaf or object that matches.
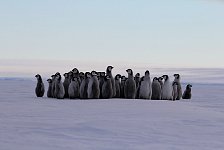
(174, 33)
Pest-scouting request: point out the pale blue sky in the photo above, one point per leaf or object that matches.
(174, 33)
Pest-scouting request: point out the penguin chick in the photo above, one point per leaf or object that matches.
(59, 88)
(179, 89)
(83, 92)
(109, 73)
(93, 86)
(145, 91)
(101, 81)
(66, 84)
(107, 90)
(187, 92)
(123, 80)
(156, 89)
(73, 89)
(49, 91)
(130, 87)
(40, 86)
(167, 90)
(175, 91)
(118, 86)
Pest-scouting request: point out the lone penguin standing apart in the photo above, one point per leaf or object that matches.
(179, 89)
(49, 91)
(66, 84)
(59, 88)
(137, 82)
(40, 86)
(93, 86)
(146, 87)
(84, 86)
(175, 91)
(156, 89)
(109, 73)
(167, 90)
(73, 89)
(118, 86)
(107, 90)
(187, 92)
(130, 87)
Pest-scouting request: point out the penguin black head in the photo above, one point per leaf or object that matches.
(57, 73)
(123, 78)
(87, 75)
(177, 76)
(109, 68)
(155, 78)
(107, 77)
(147, 72)
(65, 75)
(129, 71)
(137, 75)
(94, 73)
(102, 74)
(160, 79)
(81, 74)
(189, 86)
(118, 76)
(53, 76)
(38, 77)
(58, 77)
(49, 80)
(165, 77)
(74, 79)
(75, 71)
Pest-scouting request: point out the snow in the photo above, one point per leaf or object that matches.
(31, 123)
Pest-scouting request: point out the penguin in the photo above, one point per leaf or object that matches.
(109, 73)
(93, 86)
(187, 92)
(59, 88)
(53, 85)
(179, 89)
(145, 91)
(49, 91)
(137, 82)
(130, 87)
(66, 84)
(84, 86)
(118, 86)
(167, 88)
(101, 81)
(73, 89)
(70, 76)
(175, 91)
(123, 79)
(81, 76)
(160, 79)
(76, 74)
(156, 89)
(40, 86)
(107, 89)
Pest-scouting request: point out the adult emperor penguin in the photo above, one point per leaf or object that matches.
(107, 90)
(66, 84)
(40, 86)
(59, 88)
(73, 89)
(137, 82)
(49, 91)
(167, 88)
(175, 91)
(123, 80)
(101, 81)
(84, 86)
(187, 92)
(179, 89)
(93, 86)
(156, 89)
(130, 87)
(118, 86)
(109, 73)
(145, 91)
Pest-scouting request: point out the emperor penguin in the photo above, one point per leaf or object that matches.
(40, 86)
(49, 91)
(118, 86)
(123, 80)
(66, 84)
(59, 88)
(137, 82)
(109, 73)
(179, 89)
(107, 89)
(167, 88)
(101, 81)
(187, 92)
(156, 89)
(145, 91)
(130, 87)
(76, 74)
(93, 86)
(160, 79)
(175, 91)
(73, 89)
(53, 85)
(84, 86)
(81, 76)
(70, 76)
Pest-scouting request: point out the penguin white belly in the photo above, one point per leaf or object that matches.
(89, 90)
(61, 91)
(144, 90)
(167, 91)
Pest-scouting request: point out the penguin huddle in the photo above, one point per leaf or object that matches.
(102, 85)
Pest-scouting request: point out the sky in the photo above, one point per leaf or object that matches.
(174, 33)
